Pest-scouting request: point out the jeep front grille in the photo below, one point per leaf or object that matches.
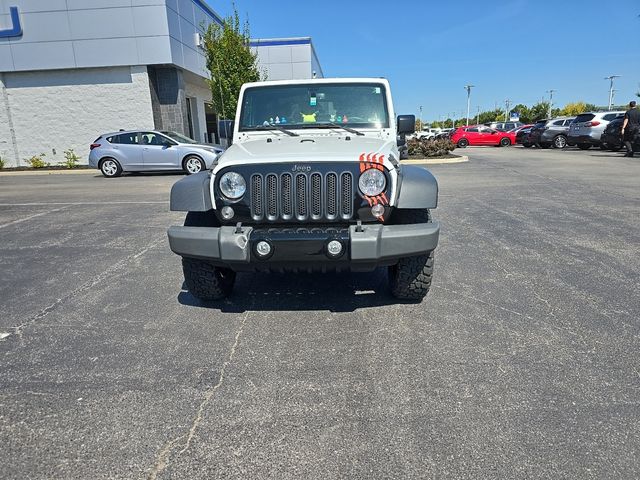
(302, 196)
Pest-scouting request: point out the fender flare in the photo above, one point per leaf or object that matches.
(191, 194)
(418, 188)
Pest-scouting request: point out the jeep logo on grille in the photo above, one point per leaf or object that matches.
(301, 168)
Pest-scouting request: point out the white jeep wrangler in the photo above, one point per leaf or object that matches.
(312, 182)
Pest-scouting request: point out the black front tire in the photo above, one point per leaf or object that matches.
(204, 280)
(505, 142)
(584, 146)
(410, 278)
(192, 165)
(527, 145)
(463, 143)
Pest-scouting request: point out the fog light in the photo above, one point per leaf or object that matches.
(334, 247)
(263, 248)
(377, 210)
(227, 213)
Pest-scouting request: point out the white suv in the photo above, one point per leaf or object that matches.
(587, 128)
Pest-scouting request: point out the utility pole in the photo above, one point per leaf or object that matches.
(550, 92)
(468, 89)
(613, 95)
(507, 104)
(611, 78)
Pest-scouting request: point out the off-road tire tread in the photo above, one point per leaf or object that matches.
(206, 281)
(410, 278)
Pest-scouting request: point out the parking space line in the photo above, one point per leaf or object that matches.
(29, 217)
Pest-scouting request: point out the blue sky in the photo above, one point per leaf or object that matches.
(513, 49)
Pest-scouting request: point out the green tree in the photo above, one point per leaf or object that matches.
(576, 108)
(490, 116)
(230, 61)
(539, 111)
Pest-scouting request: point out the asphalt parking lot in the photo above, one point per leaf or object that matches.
(521, 363)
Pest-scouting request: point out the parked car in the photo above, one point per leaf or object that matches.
(446, 133)
(587, 128)
(612, 136)
(481, 135)
(504, 126)
(150, 150)
(427, 133)
(550, 133)
(522, 135)
(403, 148)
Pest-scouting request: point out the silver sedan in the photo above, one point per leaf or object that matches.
(150, 150)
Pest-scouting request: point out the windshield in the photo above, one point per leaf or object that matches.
(313, 105)
(178, 137)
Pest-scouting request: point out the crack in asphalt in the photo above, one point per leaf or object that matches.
(116, 267)
(162, 461)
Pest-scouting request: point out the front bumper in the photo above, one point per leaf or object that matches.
(305, 248)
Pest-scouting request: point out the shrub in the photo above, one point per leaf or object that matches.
(2, 163)
(70, 159)
(439, 147)
(37, 161)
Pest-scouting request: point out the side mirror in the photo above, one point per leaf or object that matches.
(406, 124)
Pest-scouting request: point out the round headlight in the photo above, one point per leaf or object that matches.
(372, 182)
(232, 185)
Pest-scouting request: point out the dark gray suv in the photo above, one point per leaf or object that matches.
(551, 133)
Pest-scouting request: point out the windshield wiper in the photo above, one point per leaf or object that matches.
(273, 126)
(337, 125)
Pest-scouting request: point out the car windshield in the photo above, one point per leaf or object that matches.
(315, 106)
(178, 137)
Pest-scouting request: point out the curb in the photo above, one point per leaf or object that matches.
(83, 171)
(436, 161)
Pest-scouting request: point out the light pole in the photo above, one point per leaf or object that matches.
(507, 104)
(421, 125)
(452, 121)
(550, 92)
(468, 89)
(611, 78)
(478, 117)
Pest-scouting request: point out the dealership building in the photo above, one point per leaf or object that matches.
(71, 70)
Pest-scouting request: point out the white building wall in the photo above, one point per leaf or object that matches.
(53, 111)
(286, 59)
(99, 33)
(6, 136)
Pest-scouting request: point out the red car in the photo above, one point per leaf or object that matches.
(482, 135)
